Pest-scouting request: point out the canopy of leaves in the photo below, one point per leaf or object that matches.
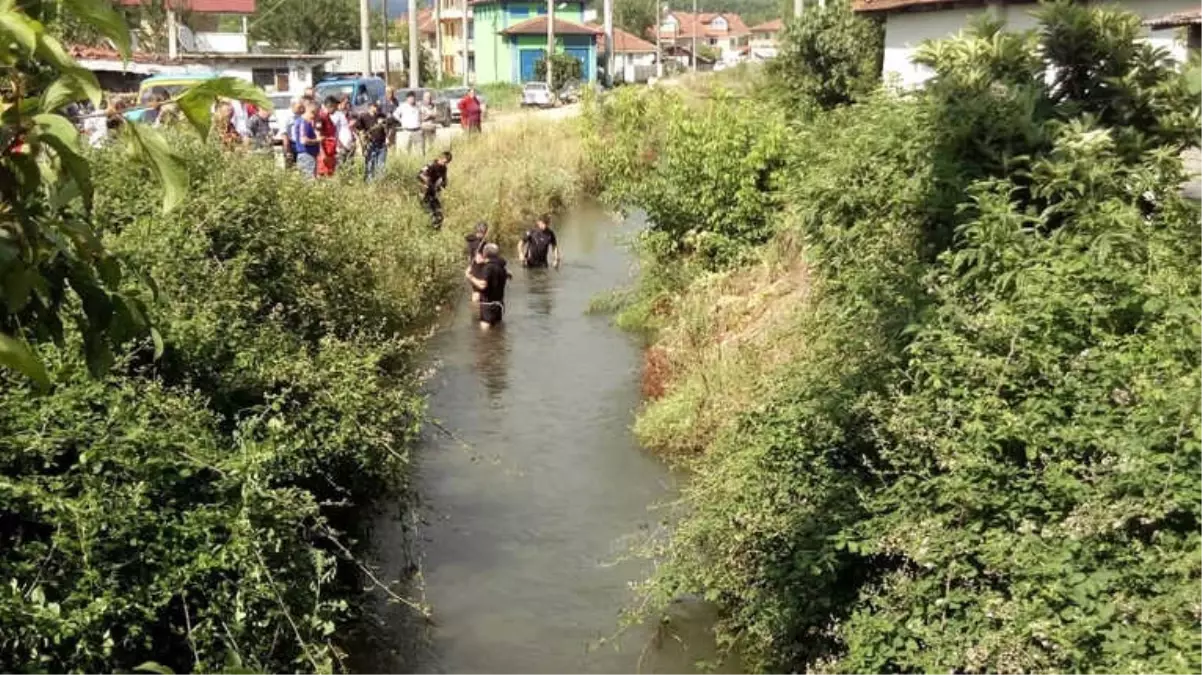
(309, 26)
(565, 68)
(829, 56)
(984, 458)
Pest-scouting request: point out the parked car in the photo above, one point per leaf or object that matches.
(456, 94)
(536, 93)
(361, 90)
(570, 91)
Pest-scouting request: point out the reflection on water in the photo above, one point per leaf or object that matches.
(531, 508)
(492, 358)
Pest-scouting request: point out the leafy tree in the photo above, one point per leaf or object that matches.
(829, 56)
(52, 265)
(565, 68)
(310, 26)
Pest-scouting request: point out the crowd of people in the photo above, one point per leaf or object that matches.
(323, 136)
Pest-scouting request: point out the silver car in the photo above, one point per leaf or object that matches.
(536, 93)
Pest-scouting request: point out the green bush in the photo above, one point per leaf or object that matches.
(828, 57)
(978, 457)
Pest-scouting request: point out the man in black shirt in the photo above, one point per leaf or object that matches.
(490, 279)
(433, 177)
(537, 243)
(476, 239)
(374, 125)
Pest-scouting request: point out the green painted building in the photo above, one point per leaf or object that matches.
(511, 37)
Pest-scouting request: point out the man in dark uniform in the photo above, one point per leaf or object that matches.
(433, 177)
(491, 284)
(536, 244)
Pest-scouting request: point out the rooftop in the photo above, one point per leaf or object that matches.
(1190, 17)
(538, 26)
(624, 43)
(702, 25)
(773, 26)
(893, 5)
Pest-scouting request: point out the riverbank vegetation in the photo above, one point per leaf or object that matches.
(193, 502)
(933, 357)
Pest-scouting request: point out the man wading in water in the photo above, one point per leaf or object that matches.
(537, 243)
(489, 278)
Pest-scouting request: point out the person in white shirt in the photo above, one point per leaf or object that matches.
(240, 118)
(342, 125)
(410, 117)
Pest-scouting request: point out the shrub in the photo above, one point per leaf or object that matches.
(829, 56)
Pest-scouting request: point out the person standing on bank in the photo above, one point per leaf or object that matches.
(536, 244)
(410, 117)
(471, 111)
(374, 126)
(491, 285)
(429, 114)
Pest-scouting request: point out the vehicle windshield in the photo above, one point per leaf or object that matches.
(456, 92)
(337, 90)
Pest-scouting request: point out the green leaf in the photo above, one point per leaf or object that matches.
(154, 667)
(58, 133)
(17, 355)
(158, 343)
(16, 27)
(101, 15)
(170, 168)
(73, 85)
(196, 102)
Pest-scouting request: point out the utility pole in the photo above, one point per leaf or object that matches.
(798, 8)
(466, 46)
(696, 23)
(608, 8)
(550, 46)
(365, 35)
(387, 66)
(414, 65)
(172, 34)
(438, 40)
(659, 41)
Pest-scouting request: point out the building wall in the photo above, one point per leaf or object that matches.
(906, 31)
(496, 54)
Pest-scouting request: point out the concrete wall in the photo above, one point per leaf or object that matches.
(905, 31)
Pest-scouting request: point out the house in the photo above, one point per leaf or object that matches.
(908, 23)
(764, 39)
(1190, 20)
(511, 37)
(723, 32)
(634, 57)
(202, 48)
(450, 24)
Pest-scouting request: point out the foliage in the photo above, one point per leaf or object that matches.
(733, 148)
(200, 510)
(829, 56)
(308, 26)
(977, 454)
(564, 68)
(52, 265)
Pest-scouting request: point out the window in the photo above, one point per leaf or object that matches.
(719, 24)
(713, 41)
(542, 9)
(270, 79)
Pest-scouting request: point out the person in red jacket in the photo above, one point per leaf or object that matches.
(327, 133)
(470, 111)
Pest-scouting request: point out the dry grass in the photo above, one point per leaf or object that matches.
(728, 333)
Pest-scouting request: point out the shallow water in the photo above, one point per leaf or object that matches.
(533, 487)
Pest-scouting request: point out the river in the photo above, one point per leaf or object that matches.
(533, 488)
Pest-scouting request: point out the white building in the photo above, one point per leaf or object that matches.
(908, 23)
(634, 57)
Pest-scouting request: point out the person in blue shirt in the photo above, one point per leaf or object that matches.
(307, 145)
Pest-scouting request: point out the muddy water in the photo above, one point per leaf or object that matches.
(533, 488)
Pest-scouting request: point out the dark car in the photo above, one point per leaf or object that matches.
(440, 103)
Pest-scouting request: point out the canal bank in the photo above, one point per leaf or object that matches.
(534, 494)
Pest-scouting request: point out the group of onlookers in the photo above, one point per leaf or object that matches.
(323, 137)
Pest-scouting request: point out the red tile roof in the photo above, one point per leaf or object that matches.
(90, 53)
(206, 6)
(425, 22)
(773, 26)
(1190, 17)
(702, 24)
(624, 43)
(538, 26)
